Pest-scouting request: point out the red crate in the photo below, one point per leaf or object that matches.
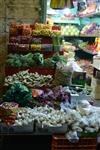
(59, 142)
(40, 70)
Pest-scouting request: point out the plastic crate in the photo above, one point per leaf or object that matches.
(59, 142)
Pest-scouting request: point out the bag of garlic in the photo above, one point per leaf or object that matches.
(63, 75)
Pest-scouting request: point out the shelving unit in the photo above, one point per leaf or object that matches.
(20, 40)
(91, 14)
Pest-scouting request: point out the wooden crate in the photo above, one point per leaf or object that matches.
(59, 142)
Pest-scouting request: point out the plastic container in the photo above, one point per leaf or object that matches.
(53, 129)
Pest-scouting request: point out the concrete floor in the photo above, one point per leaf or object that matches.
(27, 142)
(24, 142)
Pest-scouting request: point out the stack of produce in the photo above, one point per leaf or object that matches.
(19, 94)
(89, 48)
(90, 29)
(20, 29)
(53, 97)
(28, 60)
(70, 30)
(28, 79)
(52, 62)
(34, 60)
(85, 119)
(8, 112)
(26, 37)
(45, 30)
(68, 49)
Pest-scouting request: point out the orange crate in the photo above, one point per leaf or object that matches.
(59, 142)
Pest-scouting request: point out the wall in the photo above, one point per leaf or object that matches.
(19, 11)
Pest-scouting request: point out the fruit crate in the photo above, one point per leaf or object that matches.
(59, 142)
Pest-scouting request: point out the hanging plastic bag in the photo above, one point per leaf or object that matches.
(62, 75)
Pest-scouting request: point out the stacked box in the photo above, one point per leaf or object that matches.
(95, 88)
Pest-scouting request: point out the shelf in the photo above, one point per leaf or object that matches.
(46, 54)
(40, 70)
(90, 14)
(91, 36)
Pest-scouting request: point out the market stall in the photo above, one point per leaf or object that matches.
(52, 77)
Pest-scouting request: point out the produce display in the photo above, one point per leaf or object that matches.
(89, 48)
(68, 49)
(37, 39)
(8, 112)
(49, 107)
(52, 62)
(40, 26)
(46, 32)
(90, 29)
(70, 30)
(36, 47)
(36, 29)
(53, 97)
(84, 119)
(28, 79)
(19, 94)
(15, 60)
(31, 60)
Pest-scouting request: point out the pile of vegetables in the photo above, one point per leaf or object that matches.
(51, 62)
(89, 29)
(18, 93)
(85, 118)
(30, 60)
(28, 79)
(53, 97)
